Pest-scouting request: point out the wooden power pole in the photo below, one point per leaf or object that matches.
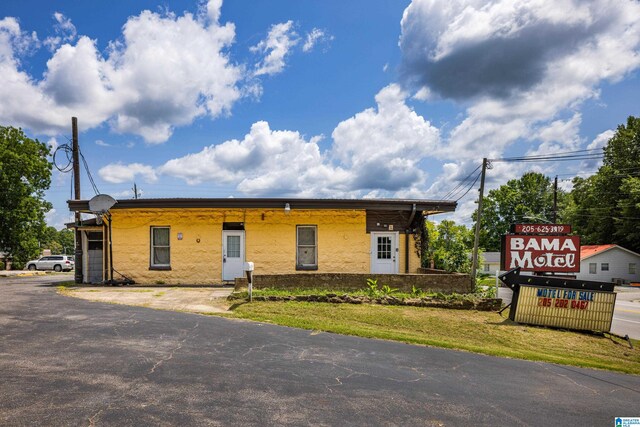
(76, 195)
(476, 240)
(555, 200)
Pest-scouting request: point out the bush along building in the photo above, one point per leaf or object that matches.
(207, 241)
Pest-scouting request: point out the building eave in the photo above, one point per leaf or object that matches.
(426, 206)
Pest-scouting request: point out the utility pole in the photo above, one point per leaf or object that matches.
(555, 200)
(76, 188)
(135, 191)
(476, 241)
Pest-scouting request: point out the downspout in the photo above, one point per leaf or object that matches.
(110, 251)
(406, 239)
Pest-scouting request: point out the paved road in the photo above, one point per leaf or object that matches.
(626, 314)
(66, 361)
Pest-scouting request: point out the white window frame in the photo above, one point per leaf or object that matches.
(604, 266)
(153, 246)
(593, 268)
(313, 266)
(632, 268)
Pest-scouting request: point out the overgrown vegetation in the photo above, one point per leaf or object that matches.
(448, 246)
(372, 290)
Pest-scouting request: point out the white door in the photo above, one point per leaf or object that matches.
(384, 253)
(232, 254)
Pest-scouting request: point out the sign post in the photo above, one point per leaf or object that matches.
(560, 302)
(556, 301)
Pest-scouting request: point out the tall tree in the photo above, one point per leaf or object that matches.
(605, 208)
(449, 246)
(529, 196)
(25, 173)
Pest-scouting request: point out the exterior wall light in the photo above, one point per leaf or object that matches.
(287, 208)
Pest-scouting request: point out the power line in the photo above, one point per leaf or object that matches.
(460, 184)
(471, 186)
(588, 154)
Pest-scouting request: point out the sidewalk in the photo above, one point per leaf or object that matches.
(193, 300)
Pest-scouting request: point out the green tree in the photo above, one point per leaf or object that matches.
(25, 173)
(605, 208)
(59, 242)
(529, 196)
(66, 239)
(449, 246)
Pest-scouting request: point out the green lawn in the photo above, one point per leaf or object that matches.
(480, 332)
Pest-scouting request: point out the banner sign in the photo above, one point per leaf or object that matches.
(565, 308)
(541, 229)
(557, 254)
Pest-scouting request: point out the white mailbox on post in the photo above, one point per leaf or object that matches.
(248, 268)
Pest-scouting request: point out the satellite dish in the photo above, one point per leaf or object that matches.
(101, 203)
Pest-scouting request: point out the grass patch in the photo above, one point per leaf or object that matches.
(479, 332)
(67, 284)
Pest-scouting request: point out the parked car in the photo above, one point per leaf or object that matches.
(53, 262)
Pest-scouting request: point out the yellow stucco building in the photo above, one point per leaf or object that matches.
(207, 241)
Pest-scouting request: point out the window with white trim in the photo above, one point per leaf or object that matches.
(604, 266)
(160, 247)
(306, 247)
(632, 268)
(592, 267)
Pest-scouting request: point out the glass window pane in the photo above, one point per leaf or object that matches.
(592, 268)
(306, 236)
(233, 246)
(161, 256)
(307, 255)
(161, 236)
(632, 268)
(384, 247)
(604, 266)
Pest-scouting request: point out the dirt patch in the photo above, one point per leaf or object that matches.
(194, 300)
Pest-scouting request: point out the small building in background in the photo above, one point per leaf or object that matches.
(491, 263)
(609, 263)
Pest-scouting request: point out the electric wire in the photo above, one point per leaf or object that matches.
(471, 186)
(453, 191)
(68, 167)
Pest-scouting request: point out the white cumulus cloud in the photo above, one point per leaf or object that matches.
(165, 71)
(377, 149)
(275, 48)
(65, 32)
(518, 65)
(118, 173)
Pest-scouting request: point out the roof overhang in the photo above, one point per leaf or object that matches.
(428, 207)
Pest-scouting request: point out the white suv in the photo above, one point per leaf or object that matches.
(52, 262)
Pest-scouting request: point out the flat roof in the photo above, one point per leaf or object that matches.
(426, 206)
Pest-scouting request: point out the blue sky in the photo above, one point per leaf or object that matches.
(315, 99)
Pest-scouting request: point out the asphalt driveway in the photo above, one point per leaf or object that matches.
(66, 361)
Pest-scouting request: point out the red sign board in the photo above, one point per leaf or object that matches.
(558, 254)
(542, 229)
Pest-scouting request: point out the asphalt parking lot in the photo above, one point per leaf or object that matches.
(66, 361)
